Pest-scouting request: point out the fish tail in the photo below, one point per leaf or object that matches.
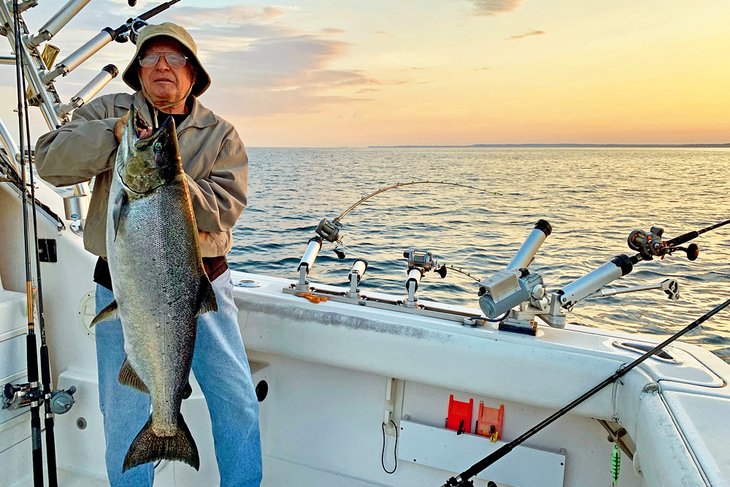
(149, 447)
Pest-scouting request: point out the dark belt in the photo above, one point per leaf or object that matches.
(215, 266)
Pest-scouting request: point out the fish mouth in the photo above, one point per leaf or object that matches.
(161, 134)
(150, 158)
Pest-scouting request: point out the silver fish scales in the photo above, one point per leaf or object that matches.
(159, 282)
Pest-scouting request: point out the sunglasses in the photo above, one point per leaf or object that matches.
(173, 59)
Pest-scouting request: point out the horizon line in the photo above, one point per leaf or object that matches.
(487, 145)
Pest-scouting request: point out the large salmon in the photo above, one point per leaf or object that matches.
(159, 284)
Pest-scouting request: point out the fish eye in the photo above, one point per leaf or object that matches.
(157, 147)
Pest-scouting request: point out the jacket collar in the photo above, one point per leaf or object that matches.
(199, 117)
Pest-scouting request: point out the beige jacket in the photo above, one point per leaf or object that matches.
(213, 157)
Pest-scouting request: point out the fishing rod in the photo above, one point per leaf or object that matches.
(330, 230)
(463, 479)
(647, 245)
(400, 185)
(34, 393)
(650, 245)
(45, 360)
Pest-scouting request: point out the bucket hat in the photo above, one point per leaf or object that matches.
(173, 31)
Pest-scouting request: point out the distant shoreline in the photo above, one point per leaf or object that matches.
(561, 146)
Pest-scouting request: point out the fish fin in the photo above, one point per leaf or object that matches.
(119, 203)
(149, 447)
(206, 297)
(187, 390)
(129, 377)
(106, 314)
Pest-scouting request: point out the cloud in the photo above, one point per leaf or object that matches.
(286, 75)
(495, 7)
(528, 34)
(269, 67)
(260, 61)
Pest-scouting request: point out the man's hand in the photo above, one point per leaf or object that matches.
(142, 132)
(119, 126)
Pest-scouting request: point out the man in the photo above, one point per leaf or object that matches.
(167, 77)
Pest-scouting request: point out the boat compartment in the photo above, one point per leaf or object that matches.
(446, 450)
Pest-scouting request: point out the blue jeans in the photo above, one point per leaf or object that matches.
(221, 368)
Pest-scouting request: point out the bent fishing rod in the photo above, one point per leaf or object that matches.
(400, 185)
(463, 479)
(329, 230)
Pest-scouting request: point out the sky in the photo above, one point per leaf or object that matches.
(350, 73)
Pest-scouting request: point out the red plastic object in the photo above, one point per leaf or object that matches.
(460, 413)
(489, 421)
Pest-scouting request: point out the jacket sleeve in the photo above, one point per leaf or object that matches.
(220, 197)
(79, 150)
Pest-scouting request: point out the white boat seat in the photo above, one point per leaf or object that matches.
(700, 417)
(13, 314)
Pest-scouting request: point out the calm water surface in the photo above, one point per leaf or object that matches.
(592, 197)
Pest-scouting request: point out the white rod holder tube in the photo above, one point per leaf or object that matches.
(307, 262)
(414, 277)
(57, 22)
(355, 276)
(593, 281)
(74, 60)
(9, 144)
(529, 248)
(108, 73)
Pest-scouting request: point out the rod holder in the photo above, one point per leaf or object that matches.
(108, 73)
(23, 6)
(76, 205)
(355, 276)
(529, 248)
(414, 277)
(74, 60)
(305, 265)
(581, 288)
(9, 144)
(57, 22)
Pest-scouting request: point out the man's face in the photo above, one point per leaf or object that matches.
(163, 83)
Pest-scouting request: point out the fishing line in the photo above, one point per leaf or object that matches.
(462, 271)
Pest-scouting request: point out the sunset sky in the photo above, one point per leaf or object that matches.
(441, 72)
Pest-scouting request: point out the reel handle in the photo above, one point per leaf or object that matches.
(650, 244)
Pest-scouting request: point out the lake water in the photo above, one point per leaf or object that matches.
(593, 198)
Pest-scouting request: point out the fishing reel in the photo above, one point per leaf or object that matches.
(129, 31)
(424, 261)
(330, 231)
(16, 396)
(419, 262)
(650, 244)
